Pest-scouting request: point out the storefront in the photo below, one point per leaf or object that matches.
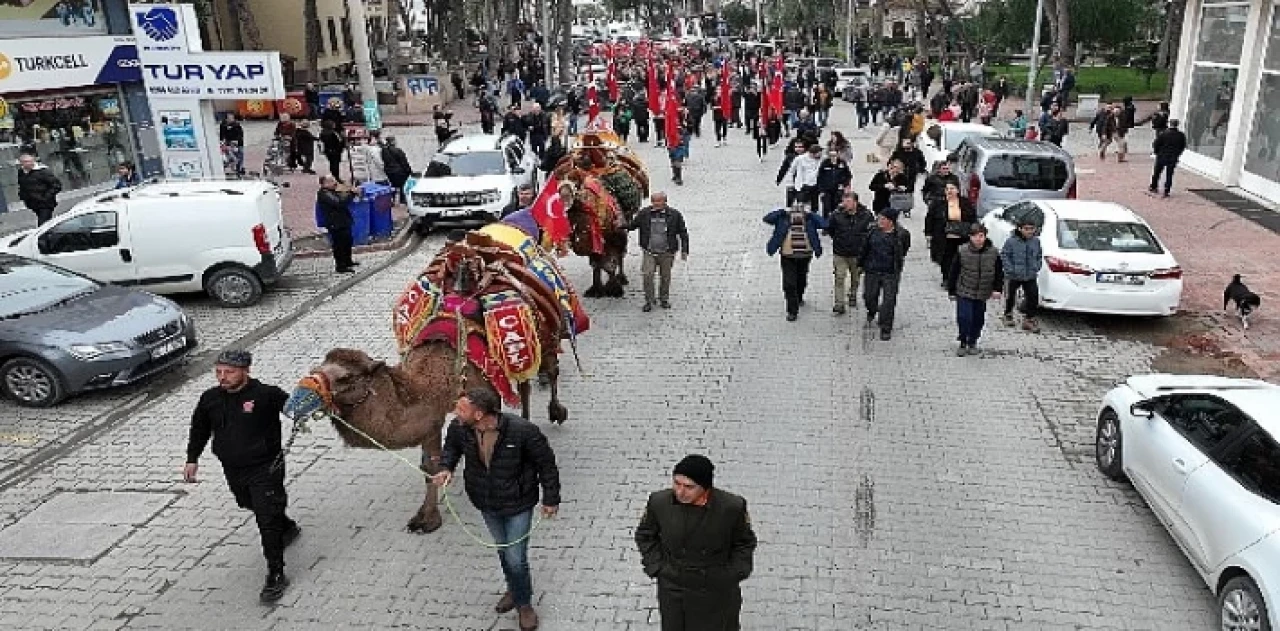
(67, 100)
(1227, 90)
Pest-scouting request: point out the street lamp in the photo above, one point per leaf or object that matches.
(1034, 67)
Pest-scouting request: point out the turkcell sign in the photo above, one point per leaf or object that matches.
(45, 63)
(215, 76)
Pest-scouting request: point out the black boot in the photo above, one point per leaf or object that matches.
(679, 179)
(275, 586)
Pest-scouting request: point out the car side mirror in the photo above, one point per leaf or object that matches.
(1141, 409)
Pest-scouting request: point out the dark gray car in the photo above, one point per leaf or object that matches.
(63, 333)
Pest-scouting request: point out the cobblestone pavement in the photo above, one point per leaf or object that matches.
(892, 485)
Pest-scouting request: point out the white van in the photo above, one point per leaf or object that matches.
(224, 238)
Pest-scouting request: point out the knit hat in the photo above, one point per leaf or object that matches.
(697, 468)
(889, 213)
(236, 358)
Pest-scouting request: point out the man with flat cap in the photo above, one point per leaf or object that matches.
(697, 541)
(242, 415)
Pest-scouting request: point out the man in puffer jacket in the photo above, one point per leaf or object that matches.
(1022, 258)
(976, 274)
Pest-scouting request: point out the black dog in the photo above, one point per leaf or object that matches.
(1246, 301)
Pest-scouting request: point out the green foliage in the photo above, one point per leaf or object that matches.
(1140, 83)
(1007, 24)
(738, 17)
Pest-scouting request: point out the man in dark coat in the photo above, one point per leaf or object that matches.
(508, 459)
(513, 124)
(1168, 148)
(333, 202)
(396, 165)
(242, 416)
(697, 541)
(38, 188)
(849, 226)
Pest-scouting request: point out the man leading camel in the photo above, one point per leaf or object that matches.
(507, 459)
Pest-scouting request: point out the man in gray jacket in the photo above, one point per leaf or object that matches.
(1022, 258)
(976, 274)
(662, 235)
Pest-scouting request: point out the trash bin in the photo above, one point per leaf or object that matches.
(360, 208)
(383, 198)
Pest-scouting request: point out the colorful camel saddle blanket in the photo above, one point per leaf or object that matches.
(478, 353)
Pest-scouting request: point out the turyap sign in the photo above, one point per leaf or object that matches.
(183, 80)
(47, 63)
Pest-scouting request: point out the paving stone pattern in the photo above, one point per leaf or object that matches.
(892, 485)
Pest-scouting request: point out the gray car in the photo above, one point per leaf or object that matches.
(997, 172)
(62, 333)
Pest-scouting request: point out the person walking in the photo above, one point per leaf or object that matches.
(334, 199)
(889, 180)
(976, 274)
(678, 148)
(127, 175)
(38, 188)
(848, 228)
(662, 234)
(1104, 124)
(231, 133)
(697, 541)
(1021, 258)
(720, 121)
(802, 176)
(507, 460)
(795, 238)
(305, 147)
(946, 226)
(883, 255)
(242, 417)
(333, 145)
(397, 167)
(1168, 147)
(834, 178)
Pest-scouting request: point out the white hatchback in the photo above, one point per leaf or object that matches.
(1203, 452)
(1099, 257)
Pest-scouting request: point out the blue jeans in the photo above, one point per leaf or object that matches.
(514, 559)
(573, 124)
(971, 315)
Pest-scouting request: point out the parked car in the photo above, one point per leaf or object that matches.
(226, 238)
(996, 172)
(1202, 451)
(469, 181)
(62, 333)
(949, 137)
(848, 79)
(1100, 257)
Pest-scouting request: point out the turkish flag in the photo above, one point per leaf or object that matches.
(549, 211)
(611, 80)
(672, 122)
(651, 88)
(775, 93)
(726, 100)
(593, 101)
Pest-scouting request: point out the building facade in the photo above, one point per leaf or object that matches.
(280, 27)
(71, 93)
(1227, 90)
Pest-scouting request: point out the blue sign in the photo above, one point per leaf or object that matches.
(372, 116)
(159, 23)
(122, 66)
(419, 86)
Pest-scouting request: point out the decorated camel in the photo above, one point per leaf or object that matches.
(609, 185)
(490, 310)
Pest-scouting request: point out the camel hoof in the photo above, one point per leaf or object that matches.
(593, 291)
(558, 412)
(419, 526)
(614, 290)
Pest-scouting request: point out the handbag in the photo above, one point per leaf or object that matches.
(957, 228)
(902, 202)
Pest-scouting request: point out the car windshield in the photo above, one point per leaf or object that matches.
(1107, 236)
(952, 139)
(28, 287)
(1041, 173)
(466, 164)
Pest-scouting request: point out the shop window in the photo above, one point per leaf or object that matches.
(1209, 109)
(315, 24)
(91, 231)
(1222, 34)
(64, 18)
(1263, 156)
(346, 32)
(899, 30)
(333, 35)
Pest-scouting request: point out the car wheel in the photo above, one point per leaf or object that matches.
(234, 287)
(422, 227)
(1108, 445)
(31, 382)
(1242, 607)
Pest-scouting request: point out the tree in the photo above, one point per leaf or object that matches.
(247, 35)
(738, 17)
(311, 22)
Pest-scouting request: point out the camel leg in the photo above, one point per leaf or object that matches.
(613, 288)
(595, 290)
(622, 270)
(556, 410)
(428, 518)
(525, 394)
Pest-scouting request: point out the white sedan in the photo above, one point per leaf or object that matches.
(1099, 257)
(950, 135)
(1202, 451)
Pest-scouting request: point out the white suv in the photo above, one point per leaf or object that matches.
(470, 180)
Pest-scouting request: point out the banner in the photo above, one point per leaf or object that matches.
(49, 63)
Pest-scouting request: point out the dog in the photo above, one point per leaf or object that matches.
(1245, 300)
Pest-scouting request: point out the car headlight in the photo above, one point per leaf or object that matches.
(91, 352)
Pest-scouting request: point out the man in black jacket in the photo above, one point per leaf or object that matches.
(662, 234)
(834, 177)
(396, 165)
(242, 415)
(231, 133)
(697, 541)
(1168, 148)
(333, 202)
(508, 458)
(848, 227)
(38, 188)
(513, 124)
(883, 255)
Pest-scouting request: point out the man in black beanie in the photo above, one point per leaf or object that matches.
(697, 541)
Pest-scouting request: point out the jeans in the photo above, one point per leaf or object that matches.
(261, 490)
(795, 279)
(880, 295)
(573, 124)
(792, 117)
(1168, 168)
(1030, 296)
(515, 558)
(863, 115)
(845, 268)
(722, 128)
(971, 315)
(660, 263)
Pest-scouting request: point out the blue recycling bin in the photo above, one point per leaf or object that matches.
(361, 208)
(383, 197)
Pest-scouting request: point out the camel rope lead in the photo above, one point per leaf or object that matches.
(444, 494)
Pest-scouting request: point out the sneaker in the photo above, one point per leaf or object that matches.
(346, 270)
(1030, 324)
(791, 317)
(838, 310)
(871, 318)
(885, 335)
(1166, 195)
(665, 304)
(274, 587)
(1151, 189)
(291, 535)
(1007, 319)
(505, 604)
(648, 306)
(962, 351)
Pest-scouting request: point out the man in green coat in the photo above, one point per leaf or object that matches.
(697, 541)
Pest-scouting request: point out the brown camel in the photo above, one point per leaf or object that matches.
(403, 406)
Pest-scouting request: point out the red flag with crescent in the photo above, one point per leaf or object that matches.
(672, 122)
(593, 101)
(611, 80)
(549, 211)
(651, 87)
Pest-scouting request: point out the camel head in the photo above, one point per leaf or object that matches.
(343, 381)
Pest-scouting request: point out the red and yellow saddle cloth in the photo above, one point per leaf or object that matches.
(512, 332)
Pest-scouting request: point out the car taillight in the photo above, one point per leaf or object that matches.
(1172, 273)
(975, 188)
(1063, 266)
(260, 239)
(1071, 192)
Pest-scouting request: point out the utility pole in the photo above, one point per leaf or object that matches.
(1034, 67)
(759, 30)
(848, 36)
(548, 55)
(364, 63)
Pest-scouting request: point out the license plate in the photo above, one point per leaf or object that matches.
(460, 212)
(1120, 279)
(170, 347)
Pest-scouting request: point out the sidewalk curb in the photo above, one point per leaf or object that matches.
(397, 242)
